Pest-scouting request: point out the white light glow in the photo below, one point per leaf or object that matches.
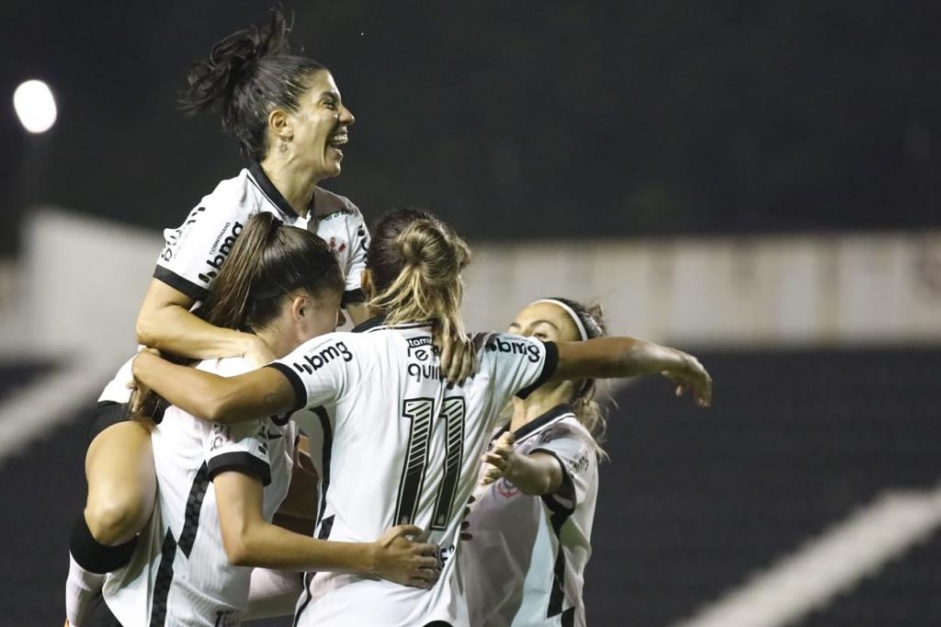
(35, 106)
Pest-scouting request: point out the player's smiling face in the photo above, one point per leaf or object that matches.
(546, 322)
(320, 127)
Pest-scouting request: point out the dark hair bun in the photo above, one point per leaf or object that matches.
(232, 62)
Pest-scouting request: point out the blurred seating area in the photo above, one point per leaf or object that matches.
(693, 503)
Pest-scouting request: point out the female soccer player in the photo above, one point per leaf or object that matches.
(289, 120)
(220, 485)
(532, 517)
(401, 445)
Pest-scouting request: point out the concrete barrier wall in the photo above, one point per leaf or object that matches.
(82, 282)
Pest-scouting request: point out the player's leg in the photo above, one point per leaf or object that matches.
(119, 468)
(122, 484)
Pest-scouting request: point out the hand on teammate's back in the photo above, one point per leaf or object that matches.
(458, 359)
(402, 560)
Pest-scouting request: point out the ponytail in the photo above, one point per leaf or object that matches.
(416, 261)
(247, 75)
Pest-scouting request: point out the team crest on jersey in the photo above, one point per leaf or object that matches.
(336, 248)
(515, 347)
(506, 489)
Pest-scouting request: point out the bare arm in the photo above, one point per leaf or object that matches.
(620, 357)
(534, 474)
(255, 394)
(166, 323)
(302, 498)
(251, 541)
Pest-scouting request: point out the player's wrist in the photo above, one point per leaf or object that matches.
(369, 558)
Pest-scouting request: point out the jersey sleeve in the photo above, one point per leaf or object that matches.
(322, 370)
(520, 364)
(194, 251)
(359, 241)
(576, 455)
(241, 447)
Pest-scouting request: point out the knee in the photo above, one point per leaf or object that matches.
(114, 521)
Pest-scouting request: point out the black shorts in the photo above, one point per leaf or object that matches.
(106, 414)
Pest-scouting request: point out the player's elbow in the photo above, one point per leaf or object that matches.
(218, 407)
(238, 548)
(145, 330)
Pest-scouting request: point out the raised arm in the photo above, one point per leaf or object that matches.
(166, 323)
(621, 357)
(251, 541)
(256, 394)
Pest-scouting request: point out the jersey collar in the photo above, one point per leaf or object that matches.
(269, 190)
(366, 325)
(531, 427)
(378, 322)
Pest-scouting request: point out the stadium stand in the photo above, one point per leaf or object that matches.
(693, 504)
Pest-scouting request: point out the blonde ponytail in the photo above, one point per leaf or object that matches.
(416, 263)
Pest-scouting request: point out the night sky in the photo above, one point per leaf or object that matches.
(519, 119)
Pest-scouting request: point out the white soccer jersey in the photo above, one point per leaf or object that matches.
(179, 574)
(397, 446)
(526, 563)
(195, 250)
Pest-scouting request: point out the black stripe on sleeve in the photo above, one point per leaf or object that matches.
(548, 369)
(240, 461)
(567, 489)
(300, 392)
(174, 280)
(352, 297)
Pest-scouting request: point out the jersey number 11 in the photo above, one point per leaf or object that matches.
(420, 412)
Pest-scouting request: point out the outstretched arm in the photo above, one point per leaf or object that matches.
(251, 541)
(621, 357)
(535, 473)
(255, 394)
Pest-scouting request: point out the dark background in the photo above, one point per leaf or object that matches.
(521, 119)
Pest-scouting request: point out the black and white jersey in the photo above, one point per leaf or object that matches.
(397, 446)
(525, 566)
(180, 574)
(194, 251)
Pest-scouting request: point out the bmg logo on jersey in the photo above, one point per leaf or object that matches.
(316, 361)
(222, 247)
(515, 347)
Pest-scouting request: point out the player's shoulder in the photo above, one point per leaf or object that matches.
(568, 426)
(232, 195)
(330, 206)
(338, 347)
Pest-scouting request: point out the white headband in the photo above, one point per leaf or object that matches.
(571, 312)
